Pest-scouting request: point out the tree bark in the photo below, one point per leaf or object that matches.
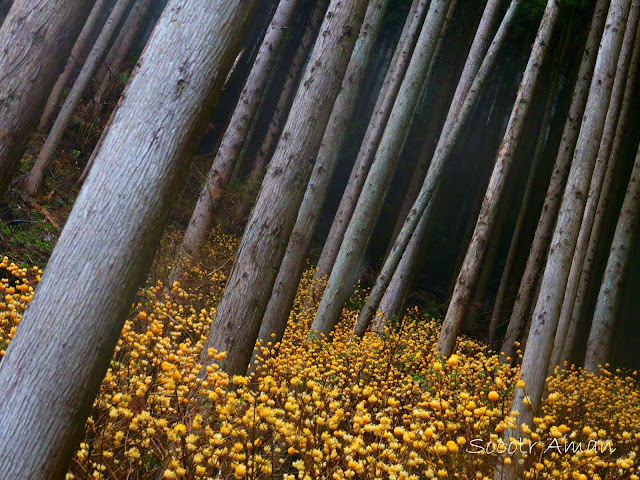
(545, 318)
(75, 58)
(374, 190)
(382, 110)
(67, 335)
(604, 163)
(403, 255)
(36, 176)
(234, 138)
(36, 39)
(293, 263)
(556, 186)
(601, 334)
(237, 321)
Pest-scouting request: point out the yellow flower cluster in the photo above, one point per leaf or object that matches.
(380, 407)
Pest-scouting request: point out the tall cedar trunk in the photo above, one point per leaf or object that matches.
(470, 268)
(603, 203)
(36, 176)
(544, 229)
(293, 263)
(547, 310)
(128, 35)
(375, 129)
(403, 255)
(604, 317)
(287, 94)
(68, 333)
(238, 316)
(36, 40)
(77, 53)
(234, 137)
(604, 163)
(375, 187)
(528, 190)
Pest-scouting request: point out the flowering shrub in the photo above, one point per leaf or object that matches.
(380, 407)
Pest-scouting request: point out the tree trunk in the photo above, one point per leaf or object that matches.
(601, 334)
(524, 204)
(545, 318)
(293, 263)
(281, 111)
(233, 140)
(237, 321)
(555, 190)
(36, 176)
(603, 204)
(77, 53)
(68, 334)
(470, 268)
(403, 255)
(29, 70)
(375, 187)
(604, 163)
(128, 34)
(384, 103)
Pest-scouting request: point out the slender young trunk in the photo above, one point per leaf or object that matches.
(75, 58)
(601, 334)
(234, 138)
(401, 259)
(292, 267)
(604, 163)
(281, 111)
(128, 34)
(23, 94)
(36, 176)
(67, 335)
(238, 316)
(533, 170)
(603, 203)
(371, 140)
(555, 190)
(367, 209)
(545, 318)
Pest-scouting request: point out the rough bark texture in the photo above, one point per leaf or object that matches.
(68, 333)
(382, 110)
(374, 190)
(36, 38)
(545, 317)
(293, 263)
(36, 176)
(75, 58)
(605, 315)
(553, 196)
(603, 162)
(238, 316)
(403, 254)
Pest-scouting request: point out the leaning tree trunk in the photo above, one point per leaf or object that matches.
(234, 138)
(29, 70)
(601, 334)
(404, 252)
(384, 103)
(470, 267)
(293, 263)
(604, 163)
(545, 318)
(67, 335)
(36, 176)
(544, 229)
(603, 203)
(237, 321)
(76, 57)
